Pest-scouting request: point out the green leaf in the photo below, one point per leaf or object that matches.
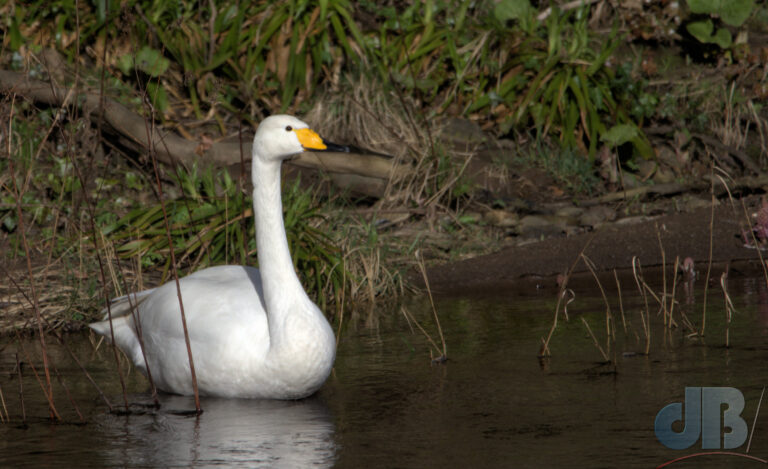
(702, 31)
(732, 12)
(151, 61)
(620, 134)
(512, 10)
(722, 38)
(125, 63)
(736, 12)
(704, 6)
(17, 39)
(158, 96)
(9, 223)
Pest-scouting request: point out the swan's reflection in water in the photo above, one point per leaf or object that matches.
(229, 433)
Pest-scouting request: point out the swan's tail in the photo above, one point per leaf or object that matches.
(123, 325)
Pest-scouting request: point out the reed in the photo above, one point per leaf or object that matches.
(21, 390)
(610, 328)
(544, 350)
(594, 339)
(673, 299)
(663, 276)
(18, 195)
(4, 417)
(729, 309)
(621, 303)
(444, 356)
(644, 314)
(175, 272)
(711, 247)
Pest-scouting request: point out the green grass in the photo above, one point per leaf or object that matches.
(211, 223)
(250, 59)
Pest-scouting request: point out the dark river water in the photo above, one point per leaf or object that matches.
(494, 403)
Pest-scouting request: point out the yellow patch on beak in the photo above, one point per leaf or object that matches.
(309, 139)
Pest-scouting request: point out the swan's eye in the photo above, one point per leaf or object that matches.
(288, 128)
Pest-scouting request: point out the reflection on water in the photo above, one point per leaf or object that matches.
(494, 404)
(230, 433)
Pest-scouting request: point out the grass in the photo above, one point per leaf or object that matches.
(211, 223)
(379, 76)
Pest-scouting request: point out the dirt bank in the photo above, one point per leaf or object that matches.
(611, 247)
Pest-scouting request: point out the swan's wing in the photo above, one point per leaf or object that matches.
(122, 305)
(218, 301)
(225, 318)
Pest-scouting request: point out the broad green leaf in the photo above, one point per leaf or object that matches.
(157, 96)
(620, 134)
(702, 31)
(732, 12)
(512, 9)
(151, 61)
(704, 6)
(722, 38)
(736, 12)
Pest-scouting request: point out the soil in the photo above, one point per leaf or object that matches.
(610, 247)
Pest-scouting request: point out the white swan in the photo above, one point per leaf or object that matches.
(253, 332)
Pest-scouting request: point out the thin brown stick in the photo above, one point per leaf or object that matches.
(66, 391)
(6, 417)
(432, 303)
(139, 334)
(49, 396)
(21, 390)
(341, 306)
(621, 303)
(22, 231)
(544, 351)
(610, 330)
(594, 339)
(107, 302)
(711, 242)
(728, 307)
(173, 267)
(674, 287)
(663, 274)
(645, 318)
(82, 368)
(63, 343)
(412, 319)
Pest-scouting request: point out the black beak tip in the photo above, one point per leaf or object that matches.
(335, 147)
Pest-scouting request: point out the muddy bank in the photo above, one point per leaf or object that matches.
(610, 247)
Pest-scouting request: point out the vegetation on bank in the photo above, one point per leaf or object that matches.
(600, 91)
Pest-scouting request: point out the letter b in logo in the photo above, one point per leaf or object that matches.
(702, 417)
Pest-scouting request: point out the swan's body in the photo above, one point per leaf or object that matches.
(253, 332)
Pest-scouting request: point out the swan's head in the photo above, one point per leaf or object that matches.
(280, 137)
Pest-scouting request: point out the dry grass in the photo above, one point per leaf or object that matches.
(366, 114)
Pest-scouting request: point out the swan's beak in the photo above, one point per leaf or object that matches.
(310, 140)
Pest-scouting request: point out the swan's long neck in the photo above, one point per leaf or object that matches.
(280, 285)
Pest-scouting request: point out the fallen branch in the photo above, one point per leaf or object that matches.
(673, 188)
(172, 149)
(743, 158)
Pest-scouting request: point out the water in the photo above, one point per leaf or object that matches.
(493, 404)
